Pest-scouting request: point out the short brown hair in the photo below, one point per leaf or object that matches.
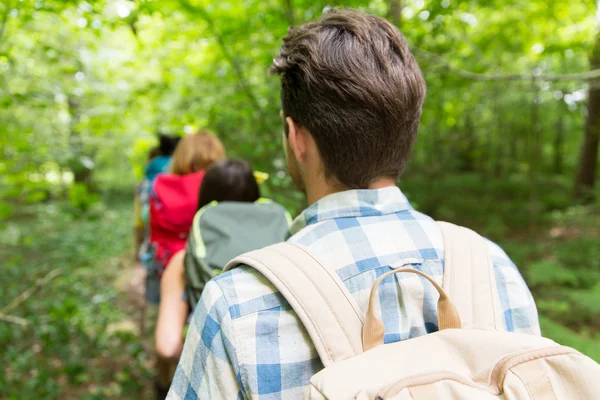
(196, 152)
(351, 80)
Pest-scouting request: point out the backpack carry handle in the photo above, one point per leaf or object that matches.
(373, 329)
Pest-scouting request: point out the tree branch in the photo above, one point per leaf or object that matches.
(395, 12)
(234, 62)
(476, 76)
(27, 293)
(14, 320)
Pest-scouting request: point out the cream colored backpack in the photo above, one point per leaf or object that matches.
(471, 357)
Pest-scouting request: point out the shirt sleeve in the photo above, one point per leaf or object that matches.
(208, 367)
(518, 306)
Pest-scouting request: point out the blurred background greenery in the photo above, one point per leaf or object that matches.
(508, 145)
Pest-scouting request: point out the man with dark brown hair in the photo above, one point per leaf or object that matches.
(351, 97)
(350, 80)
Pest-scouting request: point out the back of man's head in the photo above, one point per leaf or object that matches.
(349, 79)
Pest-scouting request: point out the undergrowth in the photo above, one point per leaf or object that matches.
(69, 349)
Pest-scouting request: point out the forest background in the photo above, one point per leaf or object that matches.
(508, 145)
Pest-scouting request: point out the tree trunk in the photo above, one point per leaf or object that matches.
(496, 143)
(499, 151)
(288, 8)
(81, 173)
(588, 160)
(467, 159)
(534, 160)
(438, 150)
(557, 165)
(395, 12)
(513, 152)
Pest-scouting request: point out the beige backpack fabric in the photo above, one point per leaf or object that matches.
(471, 357)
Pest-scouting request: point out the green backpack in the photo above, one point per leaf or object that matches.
(223, 231)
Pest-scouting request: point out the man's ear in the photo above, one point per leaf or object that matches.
(297, 139)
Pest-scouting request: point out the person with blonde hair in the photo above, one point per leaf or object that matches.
(196, 152)
(173, 201)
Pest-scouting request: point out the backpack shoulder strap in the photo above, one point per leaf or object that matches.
(317, 295)
(469, 278)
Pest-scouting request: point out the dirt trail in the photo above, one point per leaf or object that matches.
(131, 286)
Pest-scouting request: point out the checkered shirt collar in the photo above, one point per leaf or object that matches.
(353, 203)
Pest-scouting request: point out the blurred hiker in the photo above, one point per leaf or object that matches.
(139, 226)
(159, 159)
(351, 95)
(173, 201)
(232, 219)
(161, 162)
(157, 165)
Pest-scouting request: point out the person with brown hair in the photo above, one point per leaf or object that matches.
(351, 96)
(172, 202)
(174, 196)
(232, 218)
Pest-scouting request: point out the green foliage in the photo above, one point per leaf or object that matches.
(139, 155)
(70, 349)
(81, 198)
(550, 273)
(588, 345)
(589, 300)
(561, 267)
(86, 85)
(95, 79)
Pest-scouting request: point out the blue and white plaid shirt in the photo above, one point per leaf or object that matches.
(245, 339)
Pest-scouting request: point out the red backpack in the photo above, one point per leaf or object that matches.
(173, 203)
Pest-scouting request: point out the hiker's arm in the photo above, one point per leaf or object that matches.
(520, 311)
(208, 364)
(173, 310)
